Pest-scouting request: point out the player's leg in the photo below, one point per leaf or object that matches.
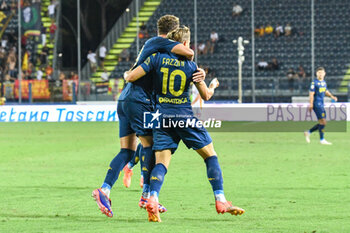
(315, 127)
(147, 164)
(129, 166)
(163, 158)
(322, 123)
(128, 146)
(215, 178)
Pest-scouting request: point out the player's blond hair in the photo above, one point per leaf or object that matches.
(181, 34)
(167, 23)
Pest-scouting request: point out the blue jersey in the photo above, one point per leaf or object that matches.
(140, 90)
(172, 76)
(320, 88)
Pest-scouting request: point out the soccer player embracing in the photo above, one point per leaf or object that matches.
(172, 79)
(318, 89)
(135, 99)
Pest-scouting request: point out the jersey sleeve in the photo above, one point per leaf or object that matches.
(312, 87)
(149, 63)
(166, 45)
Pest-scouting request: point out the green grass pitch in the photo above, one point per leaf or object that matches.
(48, 171)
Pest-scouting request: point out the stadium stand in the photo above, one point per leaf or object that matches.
(331, 42)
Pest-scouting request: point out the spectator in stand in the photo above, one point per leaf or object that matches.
(49, 71)
(4, 41)
(278, 31)
(236, 10)
(301, 72)
(102, 54)
(12, 66)
(73, 76)
(125, 55)
(104, 75)
(259, 31)
(4, 6)
(92, 60)
(62, 76)
(43, 55)
(291, 76)
(288, 30)
(53, 29)
(43, 34)
(202, 48)
(143, 33)
(214, 38)
(262, 65)
(39, 74)
(273, 65)
(269, 29)
(51, 9)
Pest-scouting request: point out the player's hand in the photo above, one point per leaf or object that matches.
(126, 73)
(199, 75)
(214, 83)
(335, 98)
(311, 106)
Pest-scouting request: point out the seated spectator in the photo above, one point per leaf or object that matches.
(214, 38)
(202, 49)
(262, 65)
(291, 76)
(259, 31)
(268, 29)
(287, 30)
(92, 60)
(278, 31)
(143, 33)
(301, 72)
(273, 65)
(125, 55)
(236, 10)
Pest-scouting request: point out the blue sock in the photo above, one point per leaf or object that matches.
(117, 164)
(215, 177)
(157, 179)
(314, 128)
(321, 131)
(148, 161)
(136, 157)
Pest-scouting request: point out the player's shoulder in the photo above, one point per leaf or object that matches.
(155, 39)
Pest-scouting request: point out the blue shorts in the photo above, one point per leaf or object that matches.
(130, 116)
(169, 138)
(320, 112)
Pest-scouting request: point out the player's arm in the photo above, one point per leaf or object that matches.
(311, 95)
(182, 50)
(328, 93)
(205, 92)
(311, 100)
(135, 74)
(141, 70)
